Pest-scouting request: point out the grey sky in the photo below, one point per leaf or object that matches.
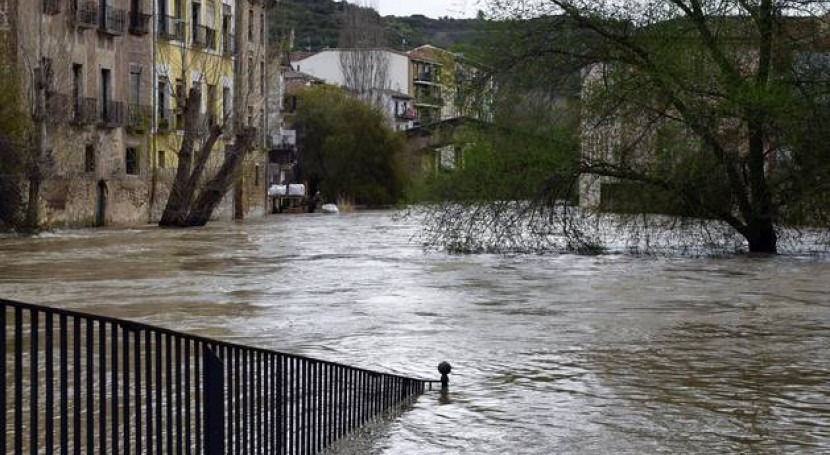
(430, 8)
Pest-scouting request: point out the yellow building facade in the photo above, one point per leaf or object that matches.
(217, 46)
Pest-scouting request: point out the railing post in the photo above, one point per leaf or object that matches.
(214, 402)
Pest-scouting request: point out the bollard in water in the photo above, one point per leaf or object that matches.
(444, 368)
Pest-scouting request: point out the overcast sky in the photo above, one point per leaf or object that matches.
(430, 8)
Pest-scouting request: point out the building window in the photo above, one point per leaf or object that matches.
(251, 25)
(77, 90)
(250, 74)
(262, 29)
(89, 158)
(162, 160)
(106, 95)
(250, 116)
(195, 13)
(226, 104)
(256, 175)
(131, 161)
(135, 85)
(262, 77)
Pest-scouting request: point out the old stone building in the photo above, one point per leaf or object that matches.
(103, 81)
(85, 74)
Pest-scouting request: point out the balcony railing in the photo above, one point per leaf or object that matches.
(115, 21)
(427, 77)
(139, 23)
(139, 118)
(112, 114)
(430, 100)
(87, 14)
(84, 111)
(57, 107)
(407, 114)
(170, 28)
(204, 37)
(52, 6)
(166, 121)
(228, 45)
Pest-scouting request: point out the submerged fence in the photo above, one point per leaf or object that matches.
(74, 383)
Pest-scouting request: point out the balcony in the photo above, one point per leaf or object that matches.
(87, 14)
(430, 100)
(139, 118)
(407, 114)
(115, 22)
(52, 6)
(84, 111)
(427, 78)
(204, 37)
(112, 114)
(139, 23)
(228, 45)
(170, 28)
(166, 121)
(55, 108)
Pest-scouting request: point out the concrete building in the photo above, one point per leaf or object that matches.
(393, 94)
(426, 86)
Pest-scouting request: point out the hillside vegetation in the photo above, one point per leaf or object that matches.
(316, 25)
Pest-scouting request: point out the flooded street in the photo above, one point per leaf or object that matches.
(551, 354)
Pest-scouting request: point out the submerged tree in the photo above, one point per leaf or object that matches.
(710, 112)
(346, 150)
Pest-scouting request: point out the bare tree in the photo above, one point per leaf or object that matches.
(363, 61)
(699, 110)
(203, 178)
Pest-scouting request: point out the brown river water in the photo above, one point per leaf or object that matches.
(563, 354)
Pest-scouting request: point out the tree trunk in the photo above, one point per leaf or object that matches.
(32, 220)
(218, 186)
(762, 237)
(178, 202)
(188, 191)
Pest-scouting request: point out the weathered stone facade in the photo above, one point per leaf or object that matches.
(92, 69)
(85, 68)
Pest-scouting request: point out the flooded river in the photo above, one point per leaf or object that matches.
(550, 354)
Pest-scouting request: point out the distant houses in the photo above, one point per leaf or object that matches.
(422, 86)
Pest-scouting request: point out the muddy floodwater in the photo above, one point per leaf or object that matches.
(551, 354)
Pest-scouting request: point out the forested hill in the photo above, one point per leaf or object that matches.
(316, 25)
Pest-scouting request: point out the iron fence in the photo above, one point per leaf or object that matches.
(78, 383)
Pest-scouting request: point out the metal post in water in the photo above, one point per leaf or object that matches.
(445, 368)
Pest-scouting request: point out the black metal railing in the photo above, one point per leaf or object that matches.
(84, 111)
(139, 23)
(204, 37)
(52, 6)
(139, 117)
(79, 383)
(166, 120)
(57, 107)
(114, 21)
(86, 16)
(112, 114)
(228, 44)
(170, 28)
